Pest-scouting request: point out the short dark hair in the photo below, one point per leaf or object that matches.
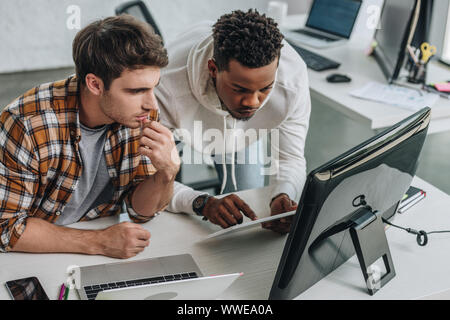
(252, 39)
(108, 47)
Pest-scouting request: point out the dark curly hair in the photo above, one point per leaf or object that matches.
(252, 39)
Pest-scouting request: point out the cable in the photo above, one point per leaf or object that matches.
(443, 231)
(421, 235)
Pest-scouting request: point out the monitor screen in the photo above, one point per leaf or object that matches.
(381, 169)
(334, 16)
(392, 34)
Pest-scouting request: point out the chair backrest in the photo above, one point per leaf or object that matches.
(139, 10)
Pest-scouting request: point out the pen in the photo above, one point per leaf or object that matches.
(61, 291)
(417, 54)
(67, 293)
(411, 53)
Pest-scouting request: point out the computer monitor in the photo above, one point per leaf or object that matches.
(334, 16)
(439, 33)
(380, 170)
(392, 36)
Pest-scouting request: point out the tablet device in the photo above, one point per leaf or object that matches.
(248, 225)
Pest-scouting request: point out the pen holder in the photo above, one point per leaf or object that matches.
(417, 73)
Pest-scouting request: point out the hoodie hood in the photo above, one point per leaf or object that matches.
(200, 81)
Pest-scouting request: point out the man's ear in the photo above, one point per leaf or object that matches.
(94, 84)
(212, 67)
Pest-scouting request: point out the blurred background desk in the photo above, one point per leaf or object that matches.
(363, 69)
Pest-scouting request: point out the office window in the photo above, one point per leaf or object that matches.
(446, 47)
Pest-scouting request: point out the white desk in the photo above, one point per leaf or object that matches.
(421, 271)
(363, 69)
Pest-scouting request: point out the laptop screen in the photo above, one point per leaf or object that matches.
(334, 16)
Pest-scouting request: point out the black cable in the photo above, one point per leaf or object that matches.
(421, 235)
(442, 231)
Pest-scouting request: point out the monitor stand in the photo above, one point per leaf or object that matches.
(370, 242)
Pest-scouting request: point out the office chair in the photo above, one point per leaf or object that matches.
(139, 10)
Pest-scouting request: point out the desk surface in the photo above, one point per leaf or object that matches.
(421, 271)
(364, 69)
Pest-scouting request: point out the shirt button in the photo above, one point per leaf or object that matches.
(58, 213)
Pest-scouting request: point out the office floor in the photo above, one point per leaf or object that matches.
(330, 134)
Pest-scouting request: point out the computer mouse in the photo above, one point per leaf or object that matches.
(337, 77)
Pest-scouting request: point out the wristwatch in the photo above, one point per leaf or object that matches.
(199, 204)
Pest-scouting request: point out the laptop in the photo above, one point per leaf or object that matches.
(162, 278)
(329, 23)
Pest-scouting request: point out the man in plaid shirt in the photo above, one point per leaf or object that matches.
(74, 150)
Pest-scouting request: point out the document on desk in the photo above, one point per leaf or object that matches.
(250, 224)
(398, 96)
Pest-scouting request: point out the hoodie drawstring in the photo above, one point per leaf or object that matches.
(224, 165)
(233, 170)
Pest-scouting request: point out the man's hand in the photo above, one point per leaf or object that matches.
(158, 144)
(281, 204)
(123, 240)
(226, 212)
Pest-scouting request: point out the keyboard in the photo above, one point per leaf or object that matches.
(315, 61)
(93, 290)
(315, 35)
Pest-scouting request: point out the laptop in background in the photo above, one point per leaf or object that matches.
(169, 277)
(330, 23)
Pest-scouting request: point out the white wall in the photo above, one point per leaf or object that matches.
(34, 35)
(298, 6)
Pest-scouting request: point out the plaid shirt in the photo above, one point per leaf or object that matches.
(40, 163)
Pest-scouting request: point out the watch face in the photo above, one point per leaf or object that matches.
(198, 202)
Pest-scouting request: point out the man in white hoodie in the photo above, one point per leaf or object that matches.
(243, 77)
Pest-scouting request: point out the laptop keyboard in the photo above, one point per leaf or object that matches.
(93, 290)
(315, 61)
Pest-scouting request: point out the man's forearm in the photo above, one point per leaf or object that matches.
(41, 236)
(153, 194)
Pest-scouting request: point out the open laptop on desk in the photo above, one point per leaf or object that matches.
(330, 23)
(163, 278)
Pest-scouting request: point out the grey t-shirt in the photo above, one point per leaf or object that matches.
(94, 187)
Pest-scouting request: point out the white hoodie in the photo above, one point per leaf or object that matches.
(186, 94)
